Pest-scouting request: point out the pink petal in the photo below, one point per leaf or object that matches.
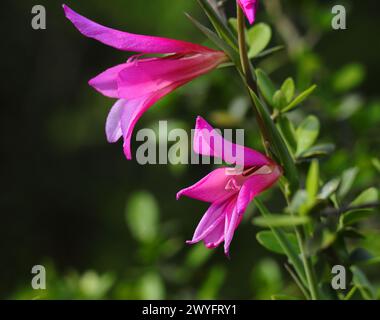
(133, 111)
(106, 82)
(141, 77)
(250, 8)
(129, 41)
(215, 237)
(209, 142)
(211, 188)
(213, 217)
(255, 185)
(232, 221)
(113, 123)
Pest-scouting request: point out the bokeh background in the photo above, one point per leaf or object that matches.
(108, 228)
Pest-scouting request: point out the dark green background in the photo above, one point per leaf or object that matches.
(64, 189)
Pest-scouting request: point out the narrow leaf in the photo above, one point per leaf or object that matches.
(312, 181)
(266, 86)
(301, 98)
(280, 220)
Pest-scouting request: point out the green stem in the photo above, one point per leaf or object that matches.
(297, 281)
(307, 266)
(284, 243)
(309, 270)
(351, 293)
(248, 75)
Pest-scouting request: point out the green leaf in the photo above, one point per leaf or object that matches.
(317, 151)
(376, 164)
(328, 189)
(142, 216)
(279, 100)
(307, 133)
(312, 181)
(280, 220)
(288, 89)
(268, 52)
(269, 241)
(349, 77)
(286, 243)
(288, 132)
(354, 216)
(347, 181)
(298, 201)
(266, 86)
(233, 23)
(221, 28)
(360, 280)
(299, 99)
(368, 196)
(213, 37)
(259, 37)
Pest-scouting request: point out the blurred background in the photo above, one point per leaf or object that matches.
(108, 228)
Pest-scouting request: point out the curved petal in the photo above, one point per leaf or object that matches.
(212, 188)
(113, 123)
(106, 82)
(215, 237)
(209, 142)
(141, 77)
(129, 41)
(133, 111)
(232, 221)
(211, 220)
(256, 184)
(250, 8)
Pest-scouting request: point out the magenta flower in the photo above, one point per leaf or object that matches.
(140, 82)
(228, 193)
(250, 8)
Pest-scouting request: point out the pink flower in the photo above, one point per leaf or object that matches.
(250, 8)
(140, 83)
(229, 194)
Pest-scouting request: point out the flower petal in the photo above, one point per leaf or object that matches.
(129, 41)
(209, 142)
(212, 188)
(106, 82)
(133, 111)
(215, 237)
(232, 221)
(255, 185)
(213, 218)
(141, 77)
(250, 8)
(113, 123)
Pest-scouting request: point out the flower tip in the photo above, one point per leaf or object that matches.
(66, 9)
(178, 195)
